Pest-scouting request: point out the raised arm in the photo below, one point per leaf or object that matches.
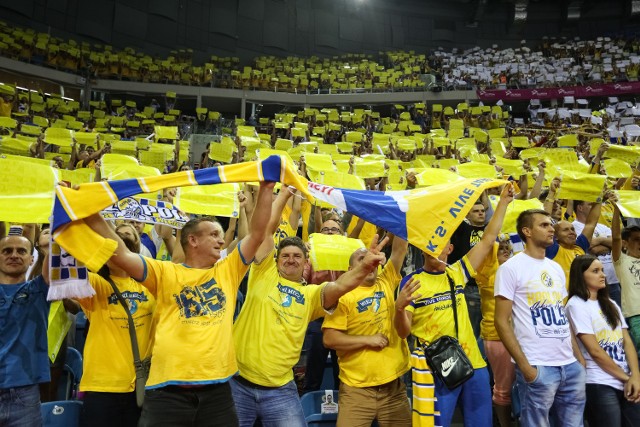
(478, 253)
(398, 252)
(270, 228)
(403, 318)
(123, 258)
(592, 221)
(537, 186)
(259, 221)
(616, 234)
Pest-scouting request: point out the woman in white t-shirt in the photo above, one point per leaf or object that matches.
(613, 379)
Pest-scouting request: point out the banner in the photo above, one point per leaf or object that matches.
(591, 90)
(405, 213)
(147, 211)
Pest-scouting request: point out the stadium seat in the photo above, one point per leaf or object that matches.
(73, 371)
(311, 407)
(61, 413)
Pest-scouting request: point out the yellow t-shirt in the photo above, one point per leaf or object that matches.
(565, 257)
(194, 319)
(368, 310)
(486, 279)
(269, 332)
(108, 358)
(432, 312)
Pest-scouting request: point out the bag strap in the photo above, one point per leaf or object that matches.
(454, 302)
(132, 327)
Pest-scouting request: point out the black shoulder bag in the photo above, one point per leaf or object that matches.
(445, 356)
(141, 366)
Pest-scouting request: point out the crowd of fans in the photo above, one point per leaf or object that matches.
(510, 288)
(551, 64)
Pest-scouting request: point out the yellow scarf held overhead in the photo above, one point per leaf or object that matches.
(72, 206)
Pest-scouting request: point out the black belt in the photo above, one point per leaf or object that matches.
(245, 382)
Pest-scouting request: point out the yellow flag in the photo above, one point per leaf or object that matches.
(246, 131)
(511, 167)
(77, 176)
(513, 210)
(221, 152)
(456, 124)
(369, 169)
(436, 176)
(617, 168)
(26, 191)
(520, 142)
(629, 203)
(166, 132)
(439, 141)
(321, 162)
(332, 252)
(628, 154)
(570, 140)
(581, 186)
(476, 170)
(59, 324)
(337, 179)
(218, 200)
(531, 153)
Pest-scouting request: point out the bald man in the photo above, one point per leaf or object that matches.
(567, 244)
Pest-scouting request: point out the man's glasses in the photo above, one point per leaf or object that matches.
(332, 230)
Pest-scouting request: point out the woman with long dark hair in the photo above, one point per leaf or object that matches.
(613, 379)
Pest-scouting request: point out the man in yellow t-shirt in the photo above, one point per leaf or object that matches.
(108, 377)
(270, 330)
(193, 354)
(372, 357)
(425, 311)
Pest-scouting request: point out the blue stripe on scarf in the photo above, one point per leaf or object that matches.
(60, 216)
(125, 187)
(207, 176)
(377, 208)
(271, 168)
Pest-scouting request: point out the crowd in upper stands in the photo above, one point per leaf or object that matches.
(552, 63)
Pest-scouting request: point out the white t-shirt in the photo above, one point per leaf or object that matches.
(537, 289)
(587, 318)
(606, 260)
(628, 270)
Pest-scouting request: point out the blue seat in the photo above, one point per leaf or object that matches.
(62, 413)
(311, 407)
(73, 371)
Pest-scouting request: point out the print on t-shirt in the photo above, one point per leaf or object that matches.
(547, 308)
(207, 299)
(374, 301)
(289, 294)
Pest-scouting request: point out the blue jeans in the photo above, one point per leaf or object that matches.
(274, 407)
(606, 406)
(20, 407)
(472, 296)
(557, 389)
(474, 397)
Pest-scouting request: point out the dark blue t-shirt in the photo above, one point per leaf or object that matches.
(24, 314)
